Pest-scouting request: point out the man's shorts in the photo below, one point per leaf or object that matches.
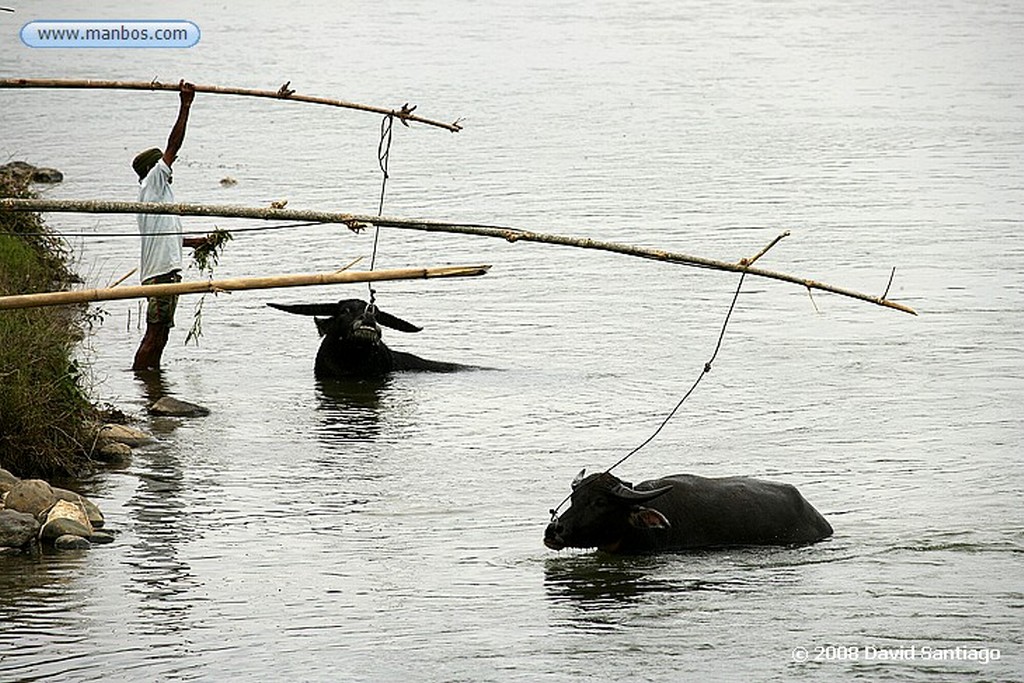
(161, 308)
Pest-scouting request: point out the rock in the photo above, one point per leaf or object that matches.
(19, 170)
(172, 407)
(101, 537)
(64, 494)
(92, 512)
(113, 453)
(125, 435)
(66, 513)
(71, 542)
(96, 519)
(7, 481)
(64, 509)
(63, 526)
(33, 496)
(111, 414)
(24, 172)
(228, 181)
(17, 528)
(47, 175)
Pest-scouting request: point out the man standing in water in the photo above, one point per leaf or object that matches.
(162, 238)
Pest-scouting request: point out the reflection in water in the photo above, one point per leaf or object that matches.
(349, 417)
(610, 580)
(351, 409)
(41, 602)
(162, 524)
(154, 385)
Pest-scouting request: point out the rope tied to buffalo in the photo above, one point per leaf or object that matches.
(746, 263)
(383, 157)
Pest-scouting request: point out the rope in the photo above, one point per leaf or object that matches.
(700, 377)
(383, 156)
(704, 371)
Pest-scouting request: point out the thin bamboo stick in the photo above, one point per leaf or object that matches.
(403, 114)
(357, 220)
(232, 284)
(122, 278)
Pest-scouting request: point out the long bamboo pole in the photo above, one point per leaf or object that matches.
(232, 284)
(403, 114)
(357, 220)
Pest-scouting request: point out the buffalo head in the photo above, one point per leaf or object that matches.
(604, 511)
(352, 346)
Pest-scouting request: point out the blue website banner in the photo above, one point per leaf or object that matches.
(169, 33)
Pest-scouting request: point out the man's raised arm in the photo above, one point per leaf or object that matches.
(177, 136)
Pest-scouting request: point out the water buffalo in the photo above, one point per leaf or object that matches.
(352, 345)
(683, 511)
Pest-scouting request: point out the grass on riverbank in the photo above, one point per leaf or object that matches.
(44, 411)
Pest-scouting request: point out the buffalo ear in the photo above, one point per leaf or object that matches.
(395, 323)
(648, 518)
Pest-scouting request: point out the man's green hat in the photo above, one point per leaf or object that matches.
(145, 161)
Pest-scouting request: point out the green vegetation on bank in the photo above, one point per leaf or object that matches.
(44, 412)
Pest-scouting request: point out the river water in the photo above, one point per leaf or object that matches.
(303, 532)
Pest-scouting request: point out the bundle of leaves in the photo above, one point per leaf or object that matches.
(206, 257)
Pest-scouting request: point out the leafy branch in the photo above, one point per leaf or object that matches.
(205, 257)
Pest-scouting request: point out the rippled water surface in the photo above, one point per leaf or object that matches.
(393, 532)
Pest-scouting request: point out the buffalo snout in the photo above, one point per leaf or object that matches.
(363, 327)
(553, 535)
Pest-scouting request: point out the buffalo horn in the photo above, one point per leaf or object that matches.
(579, 478)
(323, 310)
(631, 495)
(395, 323)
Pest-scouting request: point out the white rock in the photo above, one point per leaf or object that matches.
(124, 434)
(64, 509)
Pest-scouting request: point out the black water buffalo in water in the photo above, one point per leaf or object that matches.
(683, 511)
(352, 345)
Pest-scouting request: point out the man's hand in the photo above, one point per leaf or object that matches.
(187, 92)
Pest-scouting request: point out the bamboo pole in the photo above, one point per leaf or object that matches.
(230, 285)
(356, 221)
(122, 278)
(403, 114)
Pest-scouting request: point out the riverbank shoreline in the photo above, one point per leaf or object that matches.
(48, 424)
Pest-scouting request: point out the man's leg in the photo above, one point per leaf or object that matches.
(152, 347)
(159, 321)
